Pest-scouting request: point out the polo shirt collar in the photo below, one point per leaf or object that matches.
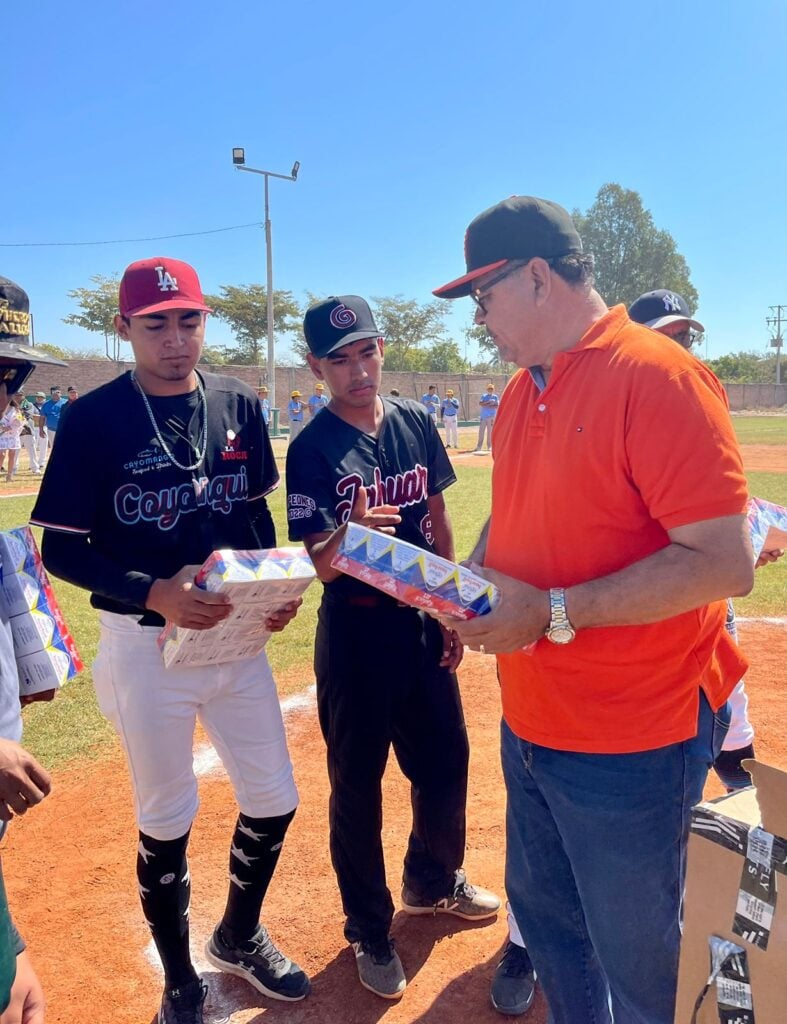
(602, 333)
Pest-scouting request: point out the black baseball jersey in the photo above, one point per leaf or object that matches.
(404, 465)
(109, 479)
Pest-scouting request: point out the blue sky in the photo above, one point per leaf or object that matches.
(408, 119)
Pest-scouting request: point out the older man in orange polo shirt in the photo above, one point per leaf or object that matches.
(617, 532)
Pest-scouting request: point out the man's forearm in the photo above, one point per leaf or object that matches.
(667, 583)
(478, 554)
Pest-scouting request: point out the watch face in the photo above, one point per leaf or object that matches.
(561, 634)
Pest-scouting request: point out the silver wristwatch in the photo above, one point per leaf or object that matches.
(559, 630)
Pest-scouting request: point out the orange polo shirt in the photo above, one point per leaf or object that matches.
(630, 438)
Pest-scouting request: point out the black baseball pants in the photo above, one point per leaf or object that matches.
(379, 685)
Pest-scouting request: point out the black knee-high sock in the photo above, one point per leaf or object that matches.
(165, 891)
(256, 845)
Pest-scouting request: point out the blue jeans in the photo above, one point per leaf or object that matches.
(595, 864)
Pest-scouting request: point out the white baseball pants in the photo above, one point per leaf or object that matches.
(154, 710)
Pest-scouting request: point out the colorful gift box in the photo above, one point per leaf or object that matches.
(258, 583)
(412, 575)
(767, 525)
(45, 652)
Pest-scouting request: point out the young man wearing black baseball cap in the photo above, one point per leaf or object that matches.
(617, 530)
(153, 503)
(385, 672)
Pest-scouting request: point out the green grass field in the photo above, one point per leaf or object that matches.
(761, 429)
(73, 728)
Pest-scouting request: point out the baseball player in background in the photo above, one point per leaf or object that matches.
(385, 672)
(295, 410)
(317, 401)
(188, 474)
(488, 404)
(449, 414)
(432, 401)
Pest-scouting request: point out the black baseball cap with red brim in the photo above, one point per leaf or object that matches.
(519, 228)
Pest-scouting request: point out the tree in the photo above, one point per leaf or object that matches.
(477, 333)
(444, 357)
(69, 353)
(98, 308)
(745, 367)
(214, 355)
(632, 255)
(244, 308)
(406, 324)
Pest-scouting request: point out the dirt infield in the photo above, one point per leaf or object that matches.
(70, 869)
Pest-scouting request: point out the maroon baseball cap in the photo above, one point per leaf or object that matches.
(150, 286)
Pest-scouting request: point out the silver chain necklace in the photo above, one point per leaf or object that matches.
(199, 449)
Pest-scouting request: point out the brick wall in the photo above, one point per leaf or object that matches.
(86, 374)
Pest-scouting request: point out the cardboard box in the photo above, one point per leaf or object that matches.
(735, 895)
(412, 575)
(45, 652)
(259, 583)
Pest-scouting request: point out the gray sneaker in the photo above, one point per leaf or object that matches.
(379, 968)
(464, 900)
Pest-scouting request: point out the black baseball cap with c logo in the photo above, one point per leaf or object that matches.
(336, 322)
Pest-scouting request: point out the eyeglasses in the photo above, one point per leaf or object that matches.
(479, 295)
(685, 338)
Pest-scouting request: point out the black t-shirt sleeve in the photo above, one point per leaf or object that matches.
(68, 497)
(311, 503)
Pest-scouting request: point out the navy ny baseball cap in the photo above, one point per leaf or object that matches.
(519, 228)
(661, 307)
(337, 322)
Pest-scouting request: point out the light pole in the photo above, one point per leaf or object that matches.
(239, 159)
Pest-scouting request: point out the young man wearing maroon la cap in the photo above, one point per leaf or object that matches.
(188, 475)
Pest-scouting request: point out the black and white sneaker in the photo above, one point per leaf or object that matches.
(183, 1005)
(261, 963)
